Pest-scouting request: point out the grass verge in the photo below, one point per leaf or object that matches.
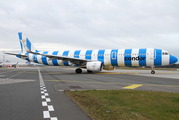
(127, 104)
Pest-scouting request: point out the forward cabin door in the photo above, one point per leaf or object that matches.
(151, 55)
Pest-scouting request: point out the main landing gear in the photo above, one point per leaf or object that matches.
(152, 71)
(78, 70)
(89, 71)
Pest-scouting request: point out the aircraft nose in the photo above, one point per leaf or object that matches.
(173, 59)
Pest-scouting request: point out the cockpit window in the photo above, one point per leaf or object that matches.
(164, 53)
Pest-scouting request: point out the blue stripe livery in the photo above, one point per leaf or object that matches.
(18, 56)
(114, 57)
(142, 57)
(28, 44)
(35, 58)
(44, 59)
(157, 57)
(27, 57)
(88, 54)
(173, 59)
(21, 47)
(20, 36)
(127, 54)
(65, 53)
(101, 56)
(54, 61)
(77, 53)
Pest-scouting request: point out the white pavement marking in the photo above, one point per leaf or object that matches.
(46, 114)
(7, 71)
(44, 103)
(11, 76)
(43, 97)
(53, 118)
(50, 108)
(61, 90)
(48, 100)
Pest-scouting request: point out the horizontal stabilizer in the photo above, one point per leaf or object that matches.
(16, 54)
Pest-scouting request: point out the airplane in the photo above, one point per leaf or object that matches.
(95, 60)
(15, 64)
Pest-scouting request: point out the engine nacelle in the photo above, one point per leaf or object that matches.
(94, 66)
(108, 67)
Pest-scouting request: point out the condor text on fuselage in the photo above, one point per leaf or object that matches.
(134, 58)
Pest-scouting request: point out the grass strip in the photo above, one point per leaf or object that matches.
(127, 104)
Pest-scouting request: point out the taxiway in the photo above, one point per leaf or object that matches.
(38, 93)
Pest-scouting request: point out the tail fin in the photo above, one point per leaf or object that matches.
(26, 45)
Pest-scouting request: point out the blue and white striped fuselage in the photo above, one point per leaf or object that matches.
(109, 57)
(95, 60)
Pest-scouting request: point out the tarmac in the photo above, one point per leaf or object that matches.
(38, 93)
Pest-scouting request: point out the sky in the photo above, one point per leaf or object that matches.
(89, 24)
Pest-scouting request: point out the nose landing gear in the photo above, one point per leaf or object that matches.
(152, 71)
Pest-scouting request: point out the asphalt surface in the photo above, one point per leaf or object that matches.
(38, 93)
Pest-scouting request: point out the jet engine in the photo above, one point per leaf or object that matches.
(94, 66)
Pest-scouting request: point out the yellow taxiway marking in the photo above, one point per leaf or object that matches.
(133, 86)
(112, 83)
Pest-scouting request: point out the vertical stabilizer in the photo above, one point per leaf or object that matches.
(26, 45)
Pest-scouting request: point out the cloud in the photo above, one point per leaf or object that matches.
(91, 24)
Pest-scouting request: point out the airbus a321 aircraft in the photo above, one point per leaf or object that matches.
(95, 60)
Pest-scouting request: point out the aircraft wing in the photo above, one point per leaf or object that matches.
(14, 64)
(73, 60)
